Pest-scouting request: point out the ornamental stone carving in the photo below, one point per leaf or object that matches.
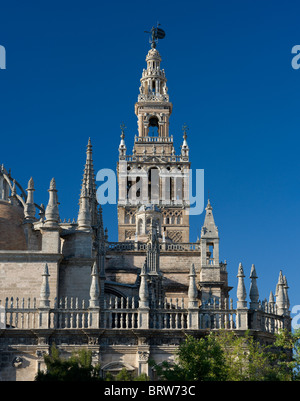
(143, 356)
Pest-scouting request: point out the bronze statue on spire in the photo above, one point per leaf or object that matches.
(156, 33)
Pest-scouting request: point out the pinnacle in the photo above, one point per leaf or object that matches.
(30, 184)
(52, 184)
(209, 228)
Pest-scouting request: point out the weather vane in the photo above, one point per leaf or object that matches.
(184, 129)
(122, 126)
(156, 33)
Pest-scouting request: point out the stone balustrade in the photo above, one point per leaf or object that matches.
(155, 139)
(121, 313)
(140, 246)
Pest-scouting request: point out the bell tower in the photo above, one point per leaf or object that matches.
(153, 180)
(153, 108)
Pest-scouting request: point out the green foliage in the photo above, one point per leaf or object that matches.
(219, 356)
(227, 356)
(288, 354)
(247, 359)
(141, 378)
(77, 368)
(197, 359)
(124, 375)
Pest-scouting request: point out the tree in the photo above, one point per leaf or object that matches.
(288, 354)
(77, 368)
(247, 359)
(224, 355)
(197, 359)
(125, 375)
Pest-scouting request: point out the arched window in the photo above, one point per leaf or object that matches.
(153, 185)
(148, 224)
(153, 126)
(140, 226)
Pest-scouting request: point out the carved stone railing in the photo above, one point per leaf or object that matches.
(120, 246)
(120, 313)
(140, 246)
(143, 158)
(155, 139)
(183, 247)
(168, 319)
(69, 314)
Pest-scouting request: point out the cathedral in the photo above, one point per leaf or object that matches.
(65, 283)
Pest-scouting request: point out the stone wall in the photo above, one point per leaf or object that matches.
(21, 274)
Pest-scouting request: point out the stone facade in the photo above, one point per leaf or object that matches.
(126, 301)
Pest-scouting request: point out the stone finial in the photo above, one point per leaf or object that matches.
(45, 290)
(209, 228)
(94, 289)
(29, 209)
(143, 291)
(52, 184)
(13, 196)
(52, 213)
(122, 146)
(280, 295)
(13, 191)
(241, 290)
(184, 146)
(286, 287)
(42, 212)
(271, 302)
(30, 184)
(253, 294)
(192, 292)
(84, 216)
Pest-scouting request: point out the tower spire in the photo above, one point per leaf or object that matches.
(89, 183)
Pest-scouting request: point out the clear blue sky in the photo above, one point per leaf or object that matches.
(73, 71)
